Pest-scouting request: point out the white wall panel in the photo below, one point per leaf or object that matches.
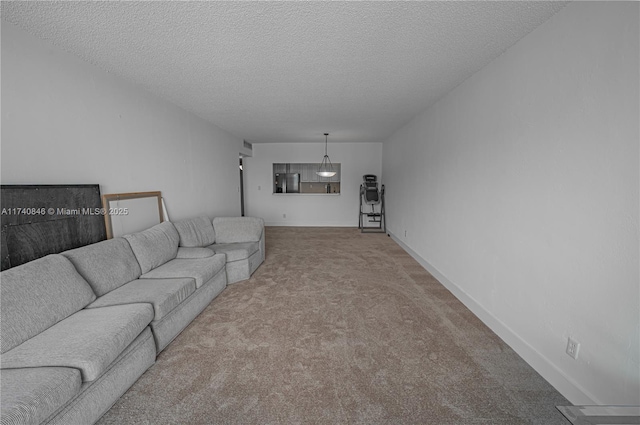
(65, 121)
(519, 190)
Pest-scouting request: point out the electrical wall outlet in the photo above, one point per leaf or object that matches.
(573, 347)
(284, 216)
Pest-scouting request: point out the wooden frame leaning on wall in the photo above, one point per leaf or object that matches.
(131, 212)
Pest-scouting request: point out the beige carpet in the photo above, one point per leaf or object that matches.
(338, 327)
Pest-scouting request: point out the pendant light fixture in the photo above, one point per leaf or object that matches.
(326, 168)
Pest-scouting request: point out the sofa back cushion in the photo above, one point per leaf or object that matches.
(155, 246)
(238, 229)
(106, 265)
(37, 295)
(195, 232)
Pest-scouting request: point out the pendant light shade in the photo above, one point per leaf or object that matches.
(326, 168)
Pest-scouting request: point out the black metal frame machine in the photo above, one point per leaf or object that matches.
(371, 195)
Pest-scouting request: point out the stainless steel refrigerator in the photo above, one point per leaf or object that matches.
(287, 183)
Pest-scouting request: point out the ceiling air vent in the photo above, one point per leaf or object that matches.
(248, 145)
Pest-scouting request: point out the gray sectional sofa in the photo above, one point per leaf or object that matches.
(80, 327)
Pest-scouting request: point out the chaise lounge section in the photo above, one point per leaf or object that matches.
(241, 239)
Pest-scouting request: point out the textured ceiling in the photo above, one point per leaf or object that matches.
(288, 71)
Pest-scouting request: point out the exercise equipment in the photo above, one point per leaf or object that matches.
(370, 196)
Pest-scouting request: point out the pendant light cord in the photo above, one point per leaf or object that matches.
(326, 156)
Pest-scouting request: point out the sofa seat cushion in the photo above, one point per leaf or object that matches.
(201, 269)
(236, 251)
(195, 232)
(163, 294)
(154, 246)
(195, 252)
(105, 265)
(37, 295)
(31, 395)
(88, 340)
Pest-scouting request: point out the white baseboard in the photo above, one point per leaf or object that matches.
(304, 224)
(556, 377)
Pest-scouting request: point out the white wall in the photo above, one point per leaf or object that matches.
(356, 159)
(65, 121)
(528, 187)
